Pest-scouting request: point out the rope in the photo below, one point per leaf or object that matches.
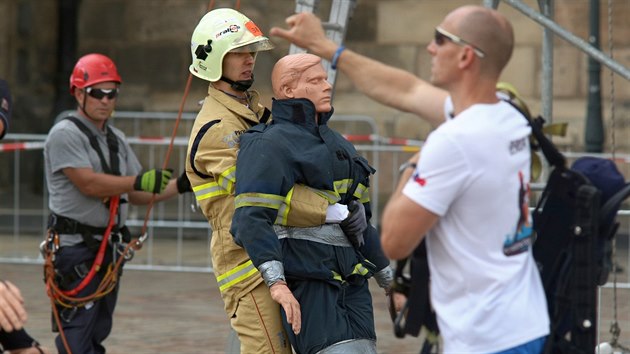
(66, 298)
(615, 330)
(136, 244)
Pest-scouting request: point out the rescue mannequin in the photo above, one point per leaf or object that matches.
(90, 168)
(224, 47)
(317, 274)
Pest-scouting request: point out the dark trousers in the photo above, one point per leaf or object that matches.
(85, 327)
(330, 314)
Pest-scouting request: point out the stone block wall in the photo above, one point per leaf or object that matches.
(149, 39)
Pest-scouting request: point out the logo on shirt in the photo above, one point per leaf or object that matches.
(518, 145)
(231, 140)
(523, 236)
(416, 178)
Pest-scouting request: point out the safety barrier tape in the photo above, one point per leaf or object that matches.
(390, 144)
(33, 145)
(183, 141)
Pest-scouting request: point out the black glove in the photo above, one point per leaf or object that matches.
(355, 224)
(183, 184)
(152, 181)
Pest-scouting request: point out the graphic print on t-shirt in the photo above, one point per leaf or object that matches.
(522, 238)
(416, 178)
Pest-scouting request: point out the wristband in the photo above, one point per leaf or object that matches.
(406, 165)
(335, 58)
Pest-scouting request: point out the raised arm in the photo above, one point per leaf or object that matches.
(386, 84)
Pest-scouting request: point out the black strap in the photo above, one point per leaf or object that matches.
(266, 115)
(63, 225)
(112, 145)
(584, 273)
(195, 146)
(553, 156)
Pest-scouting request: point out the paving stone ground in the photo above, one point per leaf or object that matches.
(181, 312)
(168, 312)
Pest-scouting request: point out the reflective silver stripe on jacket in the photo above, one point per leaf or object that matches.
(330, 234)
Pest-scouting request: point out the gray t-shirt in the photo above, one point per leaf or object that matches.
(67, 146)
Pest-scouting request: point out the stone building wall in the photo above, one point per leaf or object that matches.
(149, 41)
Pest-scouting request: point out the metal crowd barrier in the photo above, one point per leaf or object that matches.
(179, 235)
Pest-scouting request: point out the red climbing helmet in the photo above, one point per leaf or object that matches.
(91, 69)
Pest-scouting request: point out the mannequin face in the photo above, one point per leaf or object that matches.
(313, 85)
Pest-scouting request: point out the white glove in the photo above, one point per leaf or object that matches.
(336, 213)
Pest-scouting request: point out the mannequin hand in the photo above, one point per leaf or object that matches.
(281, 294)
(355, 224)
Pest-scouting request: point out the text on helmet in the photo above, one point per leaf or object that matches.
(231, 29)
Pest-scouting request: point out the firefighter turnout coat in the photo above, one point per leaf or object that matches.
(210, 167)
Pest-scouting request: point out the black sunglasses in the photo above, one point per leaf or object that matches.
(100, 93)
(442, 35)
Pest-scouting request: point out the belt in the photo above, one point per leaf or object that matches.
(89, 234)
(330, 234)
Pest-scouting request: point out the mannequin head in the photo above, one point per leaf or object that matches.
(302, 76)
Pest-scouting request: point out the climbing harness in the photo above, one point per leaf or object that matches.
(122, 251)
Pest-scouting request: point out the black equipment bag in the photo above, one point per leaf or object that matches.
(574, 221)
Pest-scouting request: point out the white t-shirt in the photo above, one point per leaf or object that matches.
(474, 172)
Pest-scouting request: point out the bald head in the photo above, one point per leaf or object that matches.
(487, 29)
(288, 70)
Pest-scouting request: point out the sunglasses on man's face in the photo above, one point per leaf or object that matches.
(442, 35)
(100, 93)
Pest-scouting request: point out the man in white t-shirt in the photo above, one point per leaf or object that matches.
(469, 191)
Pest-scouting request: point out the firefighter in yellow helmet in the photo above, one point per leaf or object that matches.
(224, 46)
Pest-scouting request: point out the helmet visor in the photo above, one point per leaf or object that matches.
(258, 46)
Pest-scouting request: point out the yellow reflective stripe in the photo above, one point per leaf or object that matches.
(208, 190)
(271, 201)
(337, 276)
(362, 193)
(341, 186)
(236, 275)
(360, 269)
(227, 179)
(283, 211)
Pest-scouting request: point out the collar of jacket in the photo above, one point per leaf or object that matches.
(253, 112)
(299, 111)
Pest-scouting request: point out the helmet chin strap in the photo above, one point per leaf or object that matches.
(85, 105)
(240, 85)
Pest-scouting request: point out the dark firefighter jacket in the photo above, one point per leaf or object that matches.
(295, 149)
